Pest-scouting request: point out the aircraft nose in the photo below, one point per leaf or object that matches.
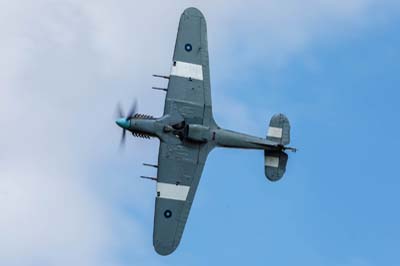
(124, 123)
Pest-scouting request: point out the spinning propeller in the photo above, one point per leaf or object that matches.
(125, 121)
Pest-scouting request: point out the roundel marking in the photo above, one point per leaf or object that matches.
(167, 214)
(188, 47)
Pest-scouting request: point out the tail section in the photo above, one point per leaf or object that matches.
(279, 129)
(275, 164)
(275, 161)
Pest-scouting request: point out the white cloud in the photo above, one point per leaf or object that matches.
(50, 218)
(64, 66)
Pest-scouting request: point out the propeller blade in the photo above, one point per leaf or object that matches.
(123, 136)
(118, 112)
(132, 111)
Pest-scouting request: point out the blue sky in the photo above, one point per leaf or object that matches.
(70, 198)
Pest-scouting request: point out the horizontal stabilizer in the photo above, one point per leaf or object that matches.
(275, 164)
(279, 129)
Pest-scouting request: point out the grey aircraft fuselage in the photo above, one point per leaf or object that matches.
(196, 133)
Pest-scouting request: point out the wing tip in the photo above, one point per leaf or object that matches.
(193, 11)
(164, 249)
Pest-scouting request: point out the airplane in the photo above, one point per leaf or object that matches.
(187, 133)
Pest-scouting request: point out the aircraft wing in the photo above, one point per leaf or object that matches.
(180, 164)
(189, 83)
(179, 171)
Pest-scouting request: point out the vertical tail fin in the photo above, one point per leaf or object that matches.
(275, 161)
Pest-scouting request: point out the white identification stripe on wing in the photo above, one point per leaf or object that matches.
(172, 191)
(272, 161)
(187, 70)
(275, 132)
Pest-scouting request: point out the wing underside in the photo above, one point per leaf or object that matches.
(180, 164)
(179, 172)
(189, 84)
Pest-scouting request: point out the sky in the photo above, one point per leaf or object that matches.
(69, 196)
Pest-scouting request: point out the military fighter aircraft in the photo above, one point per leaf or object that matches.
(187, 133)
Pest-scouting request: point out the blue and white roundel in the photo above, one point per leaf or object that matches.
(167, 214)
(188, 47)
